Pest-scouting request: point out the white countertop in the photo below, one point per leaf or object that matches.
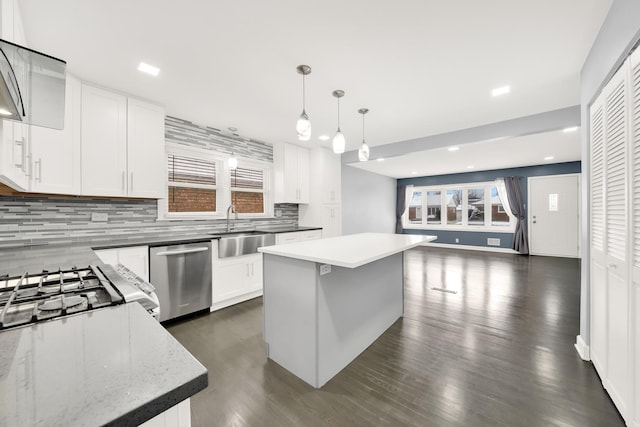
(351, 251)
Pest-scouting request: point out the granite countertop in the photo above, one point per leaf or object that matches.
(351, 251)
(33, 259)
(112, 366)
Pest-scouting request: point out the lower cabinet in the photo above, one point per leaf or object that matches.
(298, 236)
(135, 258)
(235, 279)
(176, 416)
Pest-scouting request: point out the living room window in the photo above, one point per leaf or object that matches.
(469, 207)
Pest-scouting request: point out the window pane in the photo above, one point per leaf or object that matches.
(186, 199)
(434, 206)
(191, 170)
(415, 208)
(248, 202)
(247, 178)
(475, 209)
(454, 206)
(499, 216)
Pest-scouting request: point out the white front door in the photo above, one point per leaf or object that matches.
(554, 221)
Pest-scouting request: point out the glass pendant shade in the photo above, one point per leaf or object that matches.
(303, 126)
(338, 143)
(232, 162)
(363, 152)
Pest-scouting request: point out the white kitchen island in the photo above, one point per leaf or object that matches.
(327, 300)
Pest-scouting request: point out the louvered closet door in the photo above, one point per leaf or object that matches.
(617, 380)
(634, 142)
(598, 298)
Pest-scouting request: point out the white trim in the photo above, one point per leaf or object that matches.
(582, 348)
(235, 300)
(471, 247)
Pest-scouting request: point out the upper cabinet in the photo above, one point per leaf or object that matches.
(145, 149)
(122, 145)
(291, 170)
(104, 142)
(55, 154)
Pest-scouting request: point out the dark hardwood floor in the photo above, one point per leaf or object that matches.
(499, 352)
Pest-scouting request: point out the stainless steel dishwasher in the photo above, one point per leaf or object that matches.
(181, 275)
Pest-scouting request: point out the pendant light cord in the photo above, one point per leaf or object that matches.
(303, 92)
(362, 127)
(338, 114)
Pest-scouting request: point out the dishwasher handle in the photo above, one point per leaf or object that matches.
(182, 251)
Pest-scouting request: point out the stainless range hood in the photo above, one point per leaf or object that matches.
(32, 87)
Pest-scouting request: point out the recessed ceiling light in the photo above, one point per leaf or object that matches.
(501, 90)
(571, 129)
(149, 69)
(413, 172)
(454, 148)
(380, 160)
(549, 158)
(470, 167)
(4, 112)
(323, 137)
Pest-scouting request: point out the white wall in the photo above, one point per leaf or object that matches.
(619, 33)
(368, 202)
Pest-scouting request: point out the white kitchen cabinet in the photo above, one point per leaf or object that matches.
(145, 149)
(135, 258)
(324, 207)
(14, 156)
(291, 173)
(55, 154)
(235, 279)
(298, 236)
(104, 142)
(122, 145)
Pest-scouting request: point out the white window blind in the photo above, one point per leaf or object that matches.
(182, 169)
(635, 144)
(247, 178)
(597, 176)
(248, 190)
(615, 128)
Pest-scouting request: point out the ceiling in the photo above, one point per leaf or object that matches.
(422, 67)
(487, 155)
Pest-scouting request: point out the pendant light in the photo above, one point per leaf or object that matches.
(363, 151)
(303, 126)
(338, 139)
(232, 162)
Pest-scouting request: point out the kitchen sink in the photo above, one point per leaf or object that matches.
(243, 242)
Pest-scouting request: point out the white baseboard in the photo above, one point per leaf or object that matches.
(470, 248)
(235, 300)
(582, 348)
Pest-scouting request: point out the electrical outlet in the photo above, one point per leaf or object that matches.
(457, 240)
(99, 216)
(493, 241)
(325, 269)
(278, 213)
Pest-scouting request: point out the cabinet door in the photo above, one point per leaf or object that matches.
(14, 156)
(255, 273)
(303, 175)
(290, 166)
(104, 142)
(108, 256)
(283, 238)
(145, 148)
(310, 235)
(136, 259)
(230, 278)
(55, 154)
(331, 221)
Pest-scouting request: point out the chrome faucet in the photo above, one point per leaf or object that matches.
(231, 209)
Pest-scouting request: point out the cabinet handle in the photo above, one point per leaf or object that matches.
(613, 266)
(132, 182)
(252, 271)
(247, 270)
(39, 170)
(123, 181)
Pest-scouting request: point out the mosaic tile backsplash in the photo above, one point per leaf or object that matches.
(41, 220)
